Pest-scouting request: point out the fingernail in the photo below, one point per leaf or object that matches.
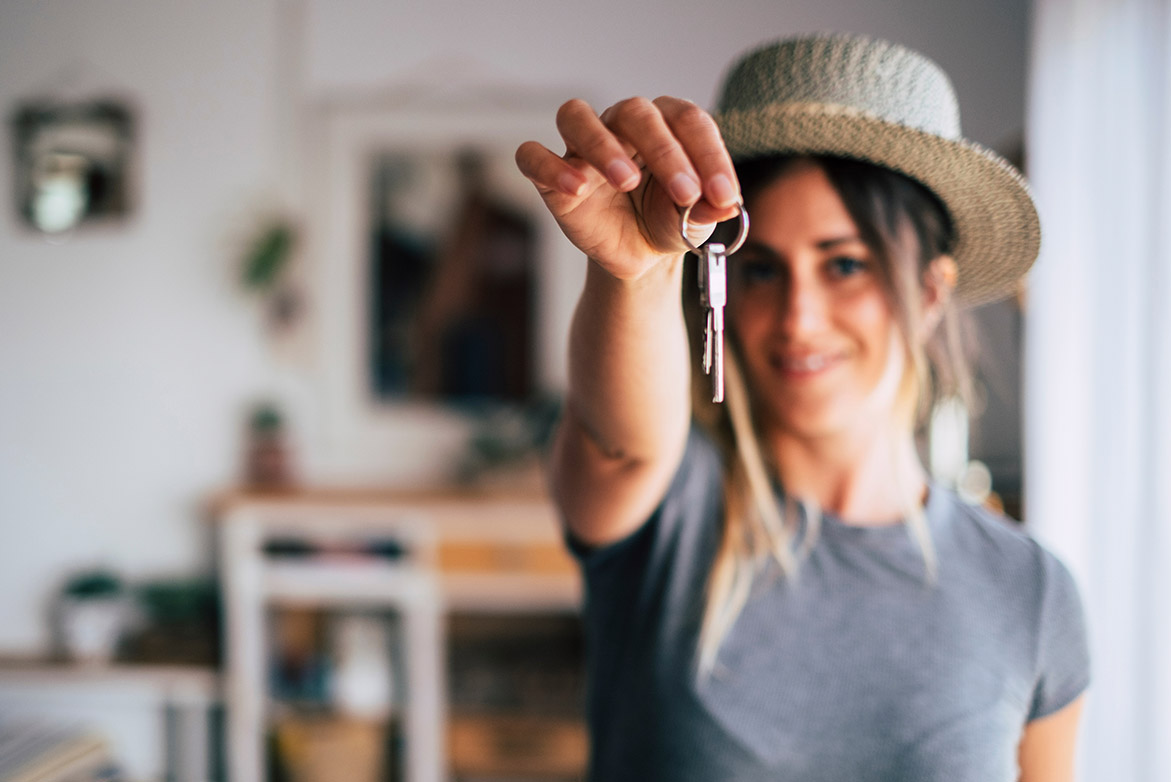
(683, 189)
(622, 174)
(720, 190)
(570, 184)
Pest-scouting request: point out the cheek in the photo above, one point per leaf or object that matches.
(747, 318)
(869, 318)
(868, 307)
(885, 364)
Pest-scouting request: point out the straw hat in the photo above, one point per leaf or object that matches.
(855, 97)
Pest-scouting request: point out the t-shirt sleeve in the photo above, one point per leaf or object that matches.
(628, 582)
(1063, 658)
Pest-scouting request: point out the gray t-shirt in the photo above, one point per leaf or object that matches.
(857, 671)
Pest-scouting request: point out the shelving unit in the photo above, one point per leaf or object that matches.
(120, 704)
(462, 554)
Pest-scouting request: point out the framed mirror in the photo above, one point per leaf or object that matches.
(441, 286)
(452, 274)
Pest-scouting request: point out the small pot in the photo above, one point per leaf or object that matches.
(92, 627)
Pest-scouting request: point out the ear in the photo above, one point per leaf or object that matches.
(939, 280)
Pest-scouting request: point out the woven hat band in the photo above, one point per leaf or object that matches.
(882, 79)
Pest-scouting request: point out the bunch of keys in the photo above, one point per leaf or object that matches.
(713, 296)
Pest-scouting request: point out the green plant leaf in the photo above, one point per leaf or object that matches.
(268, 256)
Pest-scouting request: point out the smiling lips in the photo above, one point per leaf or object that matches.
(805, 365)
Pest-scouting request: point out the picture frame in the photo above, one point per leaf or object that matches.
(411, 439)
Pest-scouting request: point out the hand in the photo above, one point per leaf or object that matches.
(617, 190)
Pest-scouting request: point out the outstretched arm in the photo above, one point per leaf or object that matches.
(616, 193)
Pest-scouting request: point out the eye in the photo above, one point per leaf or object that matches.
(847, 266)
(755, 271)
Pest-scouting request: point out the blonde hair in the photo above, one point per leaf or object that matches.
(905, 227)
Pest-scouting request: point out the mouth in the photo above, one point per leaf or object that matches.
(805, 365)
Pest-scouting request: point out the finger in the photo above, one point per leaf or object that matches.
(588, 138)
(641, 123)
(549, 171)
(699, 136)
(662, 223)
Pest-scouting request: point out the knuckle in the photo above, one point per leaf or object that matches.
(659, 152)
(669, 103)
(597, 146)
(692, 117)
(524, 154)
(634, 109)
(574, 107)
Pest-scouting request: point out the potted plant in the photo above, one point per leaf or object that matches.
(92, 614)
(268, 459)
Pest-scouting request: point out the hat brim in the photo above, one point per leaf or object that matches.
(998, 233)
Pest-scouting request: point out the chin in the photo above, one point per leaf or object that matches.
(812, 424)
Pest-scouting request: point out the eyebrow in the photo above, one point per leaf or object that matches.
(824, 244)
(829, 244)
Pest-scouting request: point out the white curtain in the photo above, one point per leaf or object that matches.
(1098, 357)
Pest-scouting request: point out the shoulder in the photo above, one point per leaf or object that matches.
(1031, 590)
(700, 471)
(997, 559)
(1001, 545)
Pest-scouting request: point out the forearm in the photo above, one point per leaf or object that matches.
(628, 364)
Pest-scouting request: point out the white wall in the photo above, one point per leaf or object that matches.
(127, 354)
(610, 49)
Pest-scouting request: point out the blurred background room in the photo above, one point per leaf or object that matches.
(282, 337)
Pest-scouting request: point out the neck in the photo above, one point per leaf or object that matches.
(866, 479)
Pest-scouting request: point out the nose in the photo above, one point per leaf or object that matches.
(804, 307)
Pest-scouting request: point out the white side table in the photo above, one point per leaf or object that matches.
(253, 582)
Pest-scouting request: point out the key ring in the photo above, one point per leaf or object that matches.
(743, 215)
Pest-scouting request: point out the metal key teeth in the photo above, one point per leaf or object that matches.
(718, 373)
(707, 345)
(716, 331)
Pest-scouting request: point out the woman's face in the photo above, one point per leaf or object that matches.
(807, 307)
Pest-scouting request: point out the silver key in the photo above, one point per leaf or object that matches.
(713, 294)
(713, 291)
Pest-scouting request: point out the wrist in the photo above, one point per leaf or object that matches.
(662, 271)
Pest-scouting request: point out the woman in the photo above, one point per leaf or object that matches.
(780, 592)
